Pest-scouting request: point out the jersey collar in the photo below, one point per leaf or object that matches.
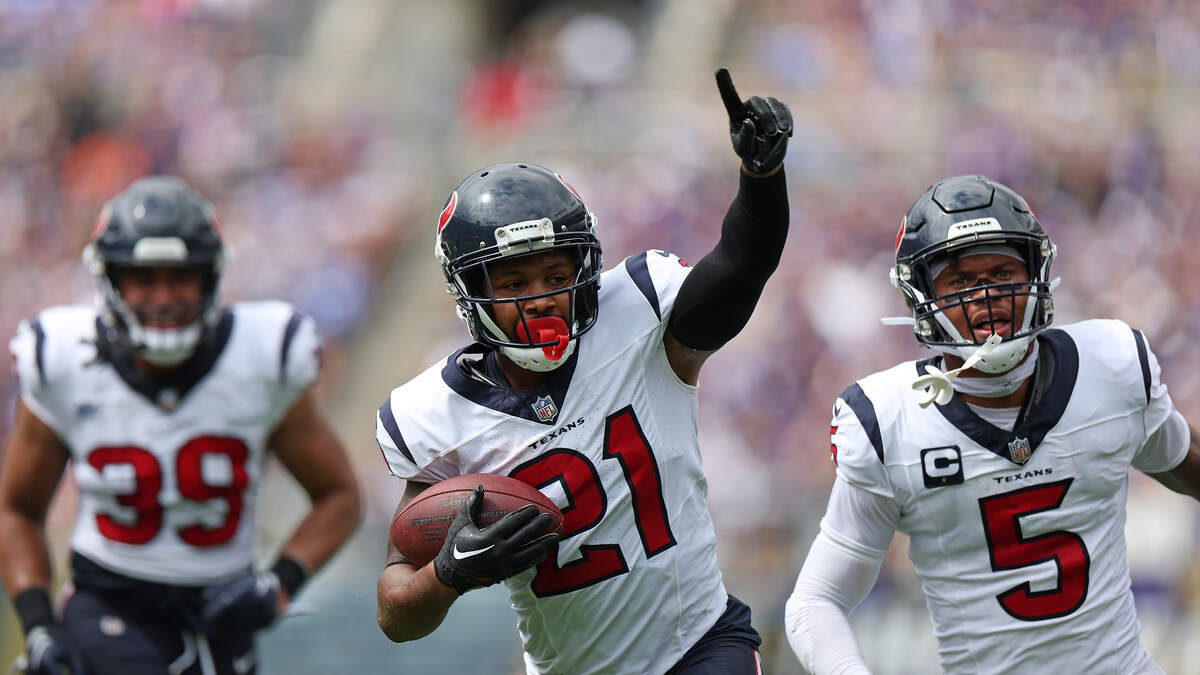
(168, 389)
(466, 374)
(1052, 392)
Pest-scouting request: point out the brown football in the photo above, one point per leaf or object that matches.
(419, 530)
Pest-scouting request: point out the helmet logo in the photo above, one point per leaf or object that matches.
(568, 185)
(966, 227)
(448, 212)
(102, 221)
(900, 234)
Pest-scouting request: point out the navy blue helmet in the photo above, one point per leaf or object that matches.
(508, 210)
(156, 222)
(959, 216)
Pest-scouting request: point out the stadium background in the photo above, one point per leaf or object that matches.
(329, 134)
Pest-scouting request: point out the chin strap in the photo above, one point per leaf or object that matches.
(938, 386)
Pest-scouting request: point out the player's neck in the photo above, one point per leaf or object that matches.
(1011, 400)
(155, 371)
(518, 377)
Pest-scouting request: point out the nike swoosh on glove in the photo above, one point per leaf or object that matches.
(473, 557)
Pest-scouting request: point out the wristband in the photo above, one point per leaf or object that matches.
(33, 608)
(291, 574)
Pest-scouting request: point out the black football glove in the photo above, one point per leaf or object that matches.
(49, 652)
(472, 557)
(759, 127)
(242, 605)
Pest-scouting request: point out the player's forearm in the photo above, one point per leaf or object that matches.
(332, 519)
(1185, 478)
(820, 635)
(411, 601)
(24, 556)
(719, 295)
(835, 578)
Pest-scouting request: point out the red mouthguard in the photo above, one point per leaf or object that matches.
(546, 329)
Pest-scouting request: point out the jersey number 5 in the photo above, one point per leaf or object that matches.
(587, 503)
(1009, 550)
(148, 475)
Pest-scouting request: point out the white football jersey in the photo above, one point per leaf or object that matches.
(1018, 537)
(168, 467)
(612, 439)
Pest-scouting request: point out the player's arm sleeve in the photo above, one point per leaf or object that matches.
(716, 300)
(30, 363)
(841, 568)
(856, 439)
(406, 457)
(1167, 434)
(300, 357)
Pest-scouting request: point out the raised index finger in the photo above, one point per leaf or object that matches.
(729, 96)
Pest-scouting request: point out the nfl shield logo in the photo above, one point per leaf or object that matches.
(545, 408)
(1018, 449)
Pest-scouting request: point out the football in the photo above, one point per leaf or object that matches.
(419, 530)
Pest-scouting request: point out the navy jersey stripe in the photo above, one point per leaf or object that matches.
(289, 334)
(503, 398)
(389, 425)
(1040, 417)
(856, 398)
(1144, 357)
(639, 271)
(39, 347)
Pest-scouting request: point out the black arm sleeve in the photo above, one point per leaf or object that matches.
(718, 296)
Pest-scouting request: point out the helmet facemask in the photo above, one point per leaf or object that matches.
(933, 315)
(541, 344)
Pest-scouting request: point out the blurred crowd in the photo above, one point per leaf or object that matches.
(1087, 108)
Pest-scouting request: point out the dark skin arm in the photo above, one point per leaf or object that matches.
(684, 360)
(312, 453)
(1185, 478)
(33, 464)
(412, 602)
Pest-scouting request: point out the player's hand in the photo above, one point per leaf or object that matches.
(759, 127)
(242, 605)
(49, 652)
(472, 556)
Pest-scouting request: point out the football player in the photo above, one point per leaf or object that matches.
(165, 403)
(583, 384)
(1005, 459)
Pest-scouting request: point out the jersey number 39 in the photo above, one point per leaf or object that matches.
(587, 503)
(144, 499)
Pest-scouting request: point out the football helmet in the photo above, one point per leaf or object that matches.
(156, 222)
(508, 210)
(954, 216)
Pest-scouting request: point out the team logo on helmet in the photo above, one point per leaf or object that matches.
(568, 186)
(448, 212)
(545, 408)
